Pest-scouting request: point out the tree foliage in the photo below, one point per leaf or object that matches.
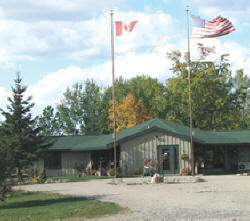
(95, 109)
(83, 110)
(241, 84)
(19, 134)
(214, 104)
(129, 113)
(217, 101)
(71, 110)
(149, 90)
(49, 122)
(6, 165)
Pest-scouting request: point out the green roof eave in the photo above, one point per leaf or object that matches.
(183, 136)
(105, 142)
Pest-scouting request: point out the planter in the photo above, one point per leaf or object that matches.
(147, 172)
(184, 156)
(184, 172)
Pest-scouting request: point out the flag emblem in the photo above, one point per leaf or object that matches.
(210, 29)
(122, 26)
(206, 51)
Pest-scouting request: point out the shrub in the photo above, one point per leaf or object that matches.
(5, 191)
(111, 171)
(36, 180)
(38, 175)
(184, 156)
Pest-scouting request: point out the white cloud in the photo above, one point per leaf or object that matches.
(56, 10)
(80, 30)
(239, 56)
(3, 97)
(238, 11)
(90, 39)
(51, 87)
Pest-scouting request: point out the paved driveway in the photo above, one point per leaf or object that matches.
(219, 198)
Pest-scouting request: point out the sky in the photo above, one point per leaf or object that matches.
(57, 43)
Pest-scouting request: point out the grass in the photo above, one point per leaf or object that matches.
(75, 178)
(37, 206)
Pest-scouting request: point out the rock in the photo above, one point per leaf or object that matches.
(157, 178)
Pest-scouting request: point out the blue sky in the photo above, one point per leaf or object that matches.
(55, 44)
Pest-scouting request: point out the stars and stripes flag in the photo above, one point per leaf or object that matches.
(210, 29)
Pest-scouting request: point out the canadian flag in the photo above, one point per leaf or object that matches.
(120, 26)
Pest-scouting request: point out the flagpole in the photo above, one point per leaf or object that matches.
(113, 87)
(190, 100)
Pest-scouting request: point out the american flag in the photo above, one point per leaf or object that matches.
(210, 29)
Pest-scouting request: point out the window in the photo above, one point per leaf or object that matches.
(53, 160)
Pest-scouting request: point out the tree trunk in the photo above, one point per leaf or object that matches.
(19, 175)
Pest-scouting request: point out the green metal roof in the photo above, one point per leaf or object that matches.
(230, 137)
(80, 143)
(104, 142)
(200, 136)
(151, 125)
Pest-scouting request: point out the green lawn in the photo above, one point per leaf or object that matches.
(75, 178)
(37, 206)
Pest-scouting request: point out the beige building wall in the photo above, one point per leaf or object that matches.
(133, 152)
(69, 161)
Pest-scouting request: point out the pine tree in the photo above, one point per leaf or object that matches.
(18, 130)
(6, 166)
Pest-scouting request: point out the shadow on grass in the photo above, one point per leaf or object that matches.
(47, 202)
(38, 203)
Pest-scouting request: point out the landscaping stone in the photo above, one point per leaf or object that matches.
(183, 179)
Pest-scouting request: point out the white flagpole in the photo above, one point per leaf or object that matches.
(190, 100)
(113, 87)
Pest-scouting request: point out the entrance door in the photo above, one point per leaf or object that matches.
(168, 157)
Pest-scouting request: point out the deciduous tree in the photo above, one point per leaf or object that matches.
(83, 109)
(50, 122)
(214, 103)
(129, 113)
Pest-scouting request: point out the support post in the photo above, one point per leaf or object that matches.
(113, 88)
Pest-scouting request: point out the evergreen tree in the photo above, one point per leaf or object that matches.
(19, 134)
(6, 165)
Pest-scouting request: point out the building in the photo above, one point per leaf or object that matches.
(156, 139)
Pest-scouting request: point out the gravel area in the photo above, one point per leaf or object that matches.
(218, 198)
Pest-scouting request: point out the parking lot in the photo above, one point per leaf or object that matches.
(218, 198)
